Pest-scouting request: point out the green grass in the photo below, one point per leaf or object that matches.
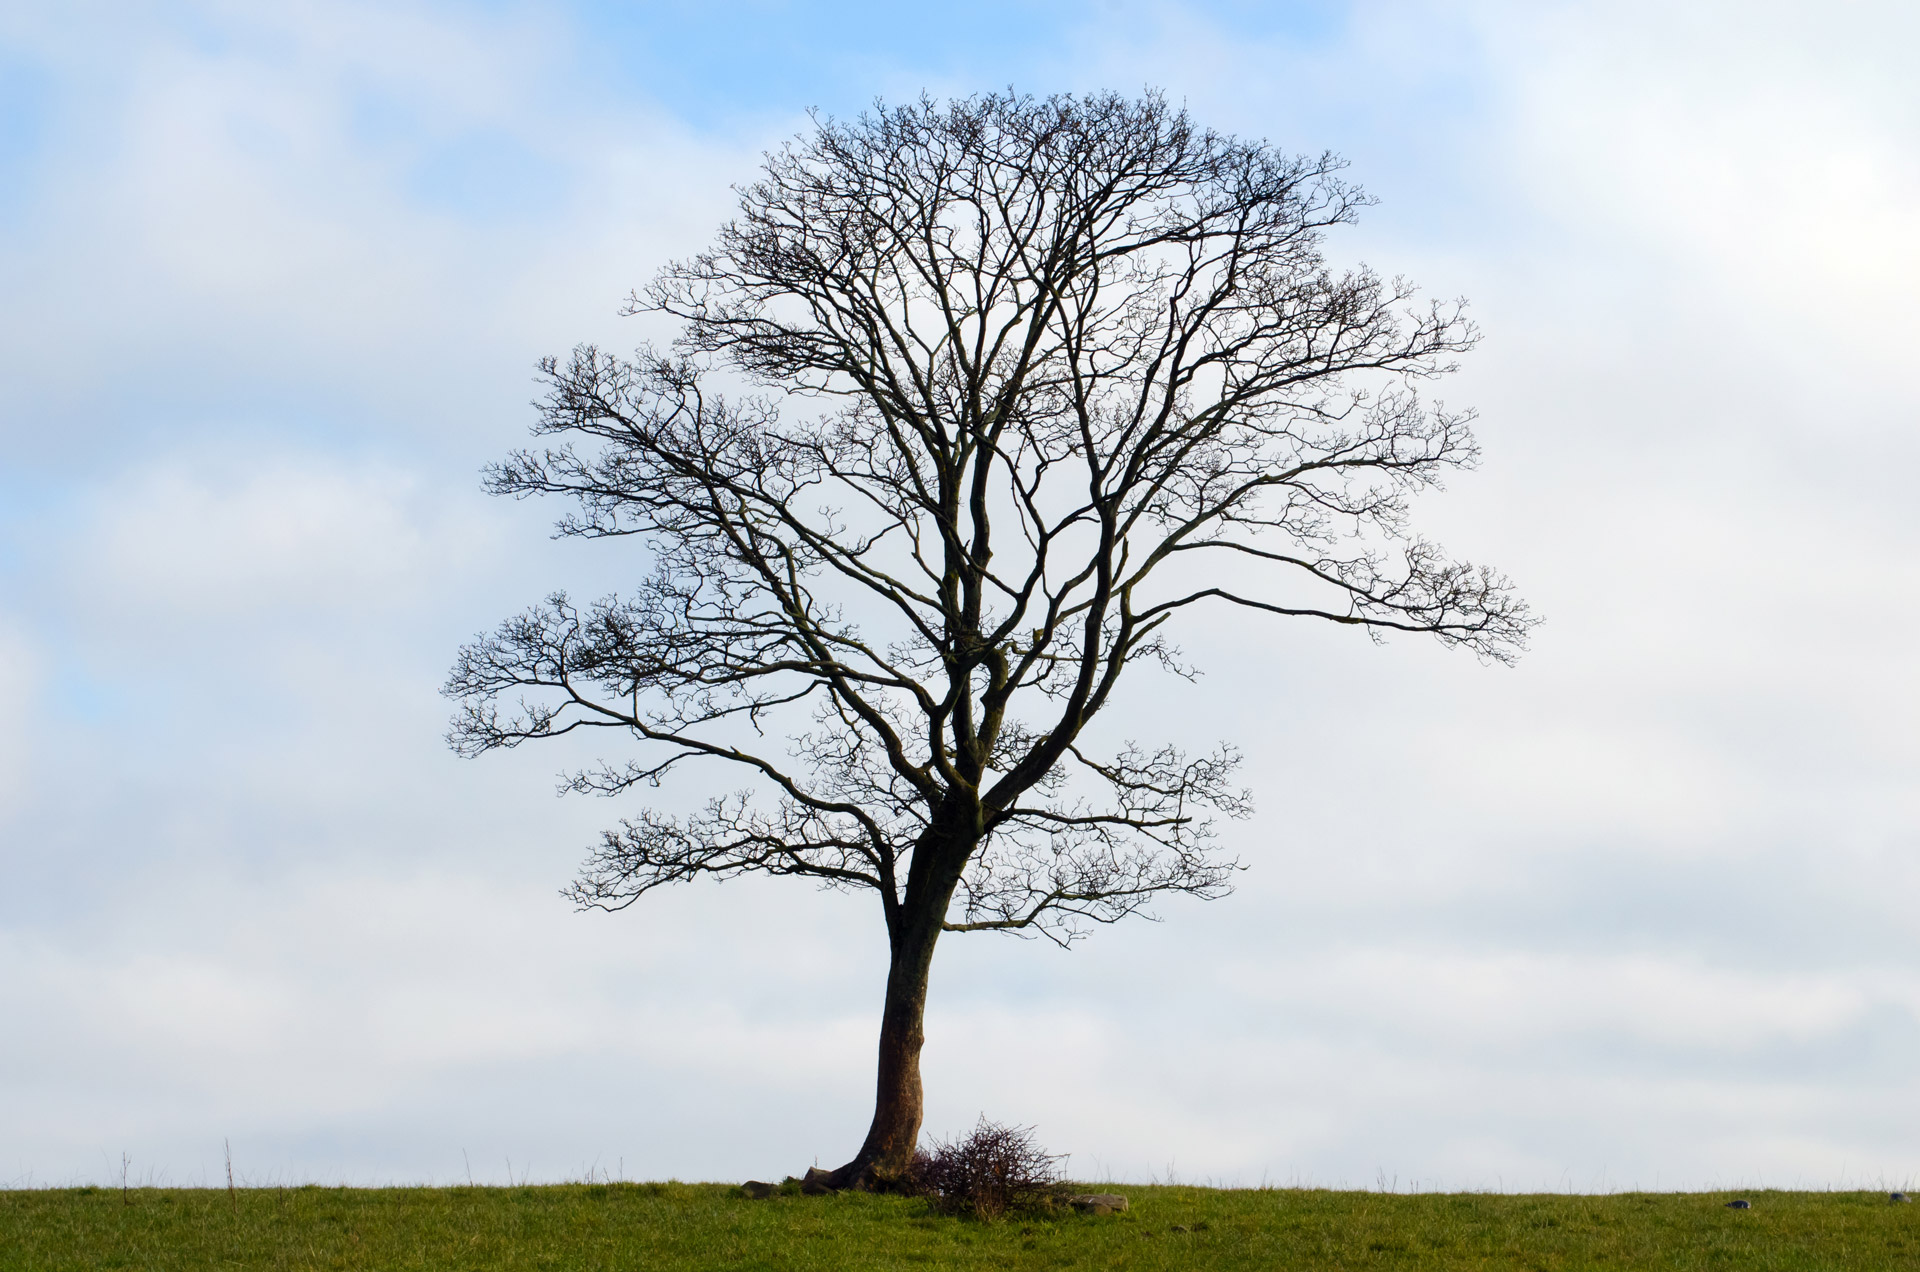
(670, 1226)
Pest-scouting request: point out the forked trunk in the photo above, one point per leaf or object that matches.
(884, 1160)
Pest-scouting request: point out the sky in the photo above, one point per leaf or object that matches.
(1638, 913)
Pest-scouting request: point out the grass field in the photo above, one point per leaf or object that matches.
(670, 1226)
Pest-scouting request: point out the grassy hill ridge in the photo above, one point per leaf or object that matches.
(675, 1226)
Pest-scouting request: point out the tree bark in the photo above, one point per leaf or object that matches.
(887, 1155)
(886, 1158)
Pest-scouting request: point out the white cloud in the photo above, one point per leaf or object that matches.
(20, 686)
(1762, 154)
(290, 535)
(241, 225)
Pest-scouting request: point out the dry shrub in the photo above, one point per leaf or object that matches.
(992, 1171)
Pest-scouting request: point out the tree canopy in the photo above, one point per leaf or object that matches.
(972, 403)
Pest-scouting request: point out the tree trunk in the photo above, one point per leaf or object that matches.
(888, 1152)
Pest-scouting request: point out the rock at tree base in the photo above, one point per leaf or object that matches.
(1097, 1203)
(759, 1190)
(817, 1182)
(1740, 1204)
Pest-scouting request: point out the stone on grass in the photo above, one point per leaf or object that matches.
(817, 1182)
(759, 1189)
(1898, 1197)
(1740, 1203)
(1097, 1203)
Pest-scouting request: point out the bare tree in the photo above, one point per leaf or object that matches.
(1025, 382)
